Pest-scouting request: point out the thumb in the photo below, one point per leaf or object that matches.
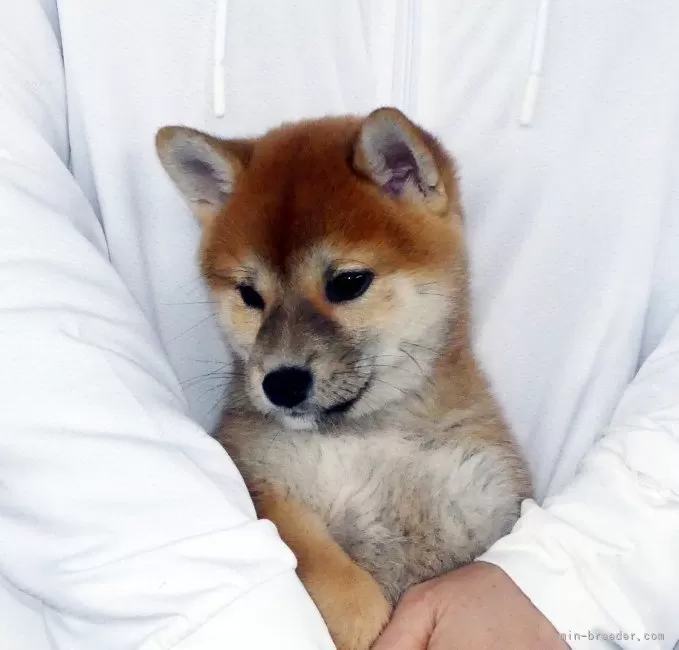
(411, 625)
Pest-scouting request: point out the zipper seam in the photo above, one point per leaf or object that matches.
(405, 78)
(219, 59)
(411, 83)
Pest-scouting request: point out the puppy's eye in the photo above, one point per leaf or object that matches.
(348, 285)
(250, 297)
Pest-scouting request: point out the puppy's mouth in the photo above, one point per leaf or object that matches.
(340, 408)
(309, 412)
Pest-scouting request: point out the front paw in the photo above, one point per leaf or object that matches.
(353, 607)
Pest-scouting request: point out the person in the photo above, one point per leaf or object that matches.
(123, 523)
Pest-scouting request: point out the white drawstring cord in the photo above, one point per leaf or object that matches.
(532, 88)
(219, 68)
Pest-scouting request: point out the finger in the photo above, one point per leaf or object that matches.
(410, 627)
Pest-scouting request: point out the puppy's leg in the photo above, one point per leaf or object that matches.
(350, 601)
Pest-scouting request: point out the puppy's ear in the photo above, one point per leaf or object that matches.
(204, 168)
(403, 160)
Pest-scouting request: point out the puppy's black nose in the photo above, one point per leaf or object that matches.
(287, 387)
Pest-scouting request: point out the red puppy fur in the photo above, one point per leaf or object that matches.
(334, 250)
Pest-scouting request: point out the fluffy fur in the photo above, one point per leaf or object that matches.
(398, 466)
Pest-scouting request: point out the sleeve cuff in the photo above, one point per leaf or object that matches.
(550, 580)
(277, 614)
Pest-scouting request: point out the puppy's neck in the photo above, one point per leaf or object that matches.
(455, 384)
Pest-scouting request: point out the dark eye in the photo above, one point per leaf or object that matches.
(250, 297)
(348, 285)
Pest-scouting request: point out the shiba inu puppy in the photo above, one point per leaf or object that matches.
(359, 418)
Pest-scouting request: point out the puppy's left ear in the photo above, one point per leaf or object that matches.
(205, 169)
(403, 160)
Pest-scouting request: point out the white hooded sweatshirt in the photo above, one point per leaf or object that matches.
(123, 525)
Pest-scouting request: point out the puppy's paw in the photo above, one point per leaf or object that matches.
(351, 602)
(354, 608)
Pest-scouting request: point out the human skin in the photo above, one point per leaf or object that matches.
(476, 607)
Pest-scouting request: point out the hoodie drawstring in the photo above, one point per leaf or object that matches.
(532, 87)
(219, 67)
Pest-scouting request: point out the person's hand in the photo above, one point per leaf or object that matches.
(476, 607)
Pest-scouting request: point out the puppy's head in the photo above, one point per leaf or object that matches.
(334, 251)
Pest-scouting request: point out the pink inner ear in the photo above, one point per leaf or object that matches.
(196, 167)
(402, 167)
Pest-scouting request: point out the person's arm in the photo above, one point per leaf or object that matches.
(602, 556)
(596, 567)
(127, 521)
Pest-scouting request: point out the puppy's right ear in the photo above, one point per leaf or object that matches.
(404, 161)
(203, 168)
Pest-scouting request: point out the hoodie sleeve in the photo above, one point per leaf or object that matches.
(601, 558)
(127, 522)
